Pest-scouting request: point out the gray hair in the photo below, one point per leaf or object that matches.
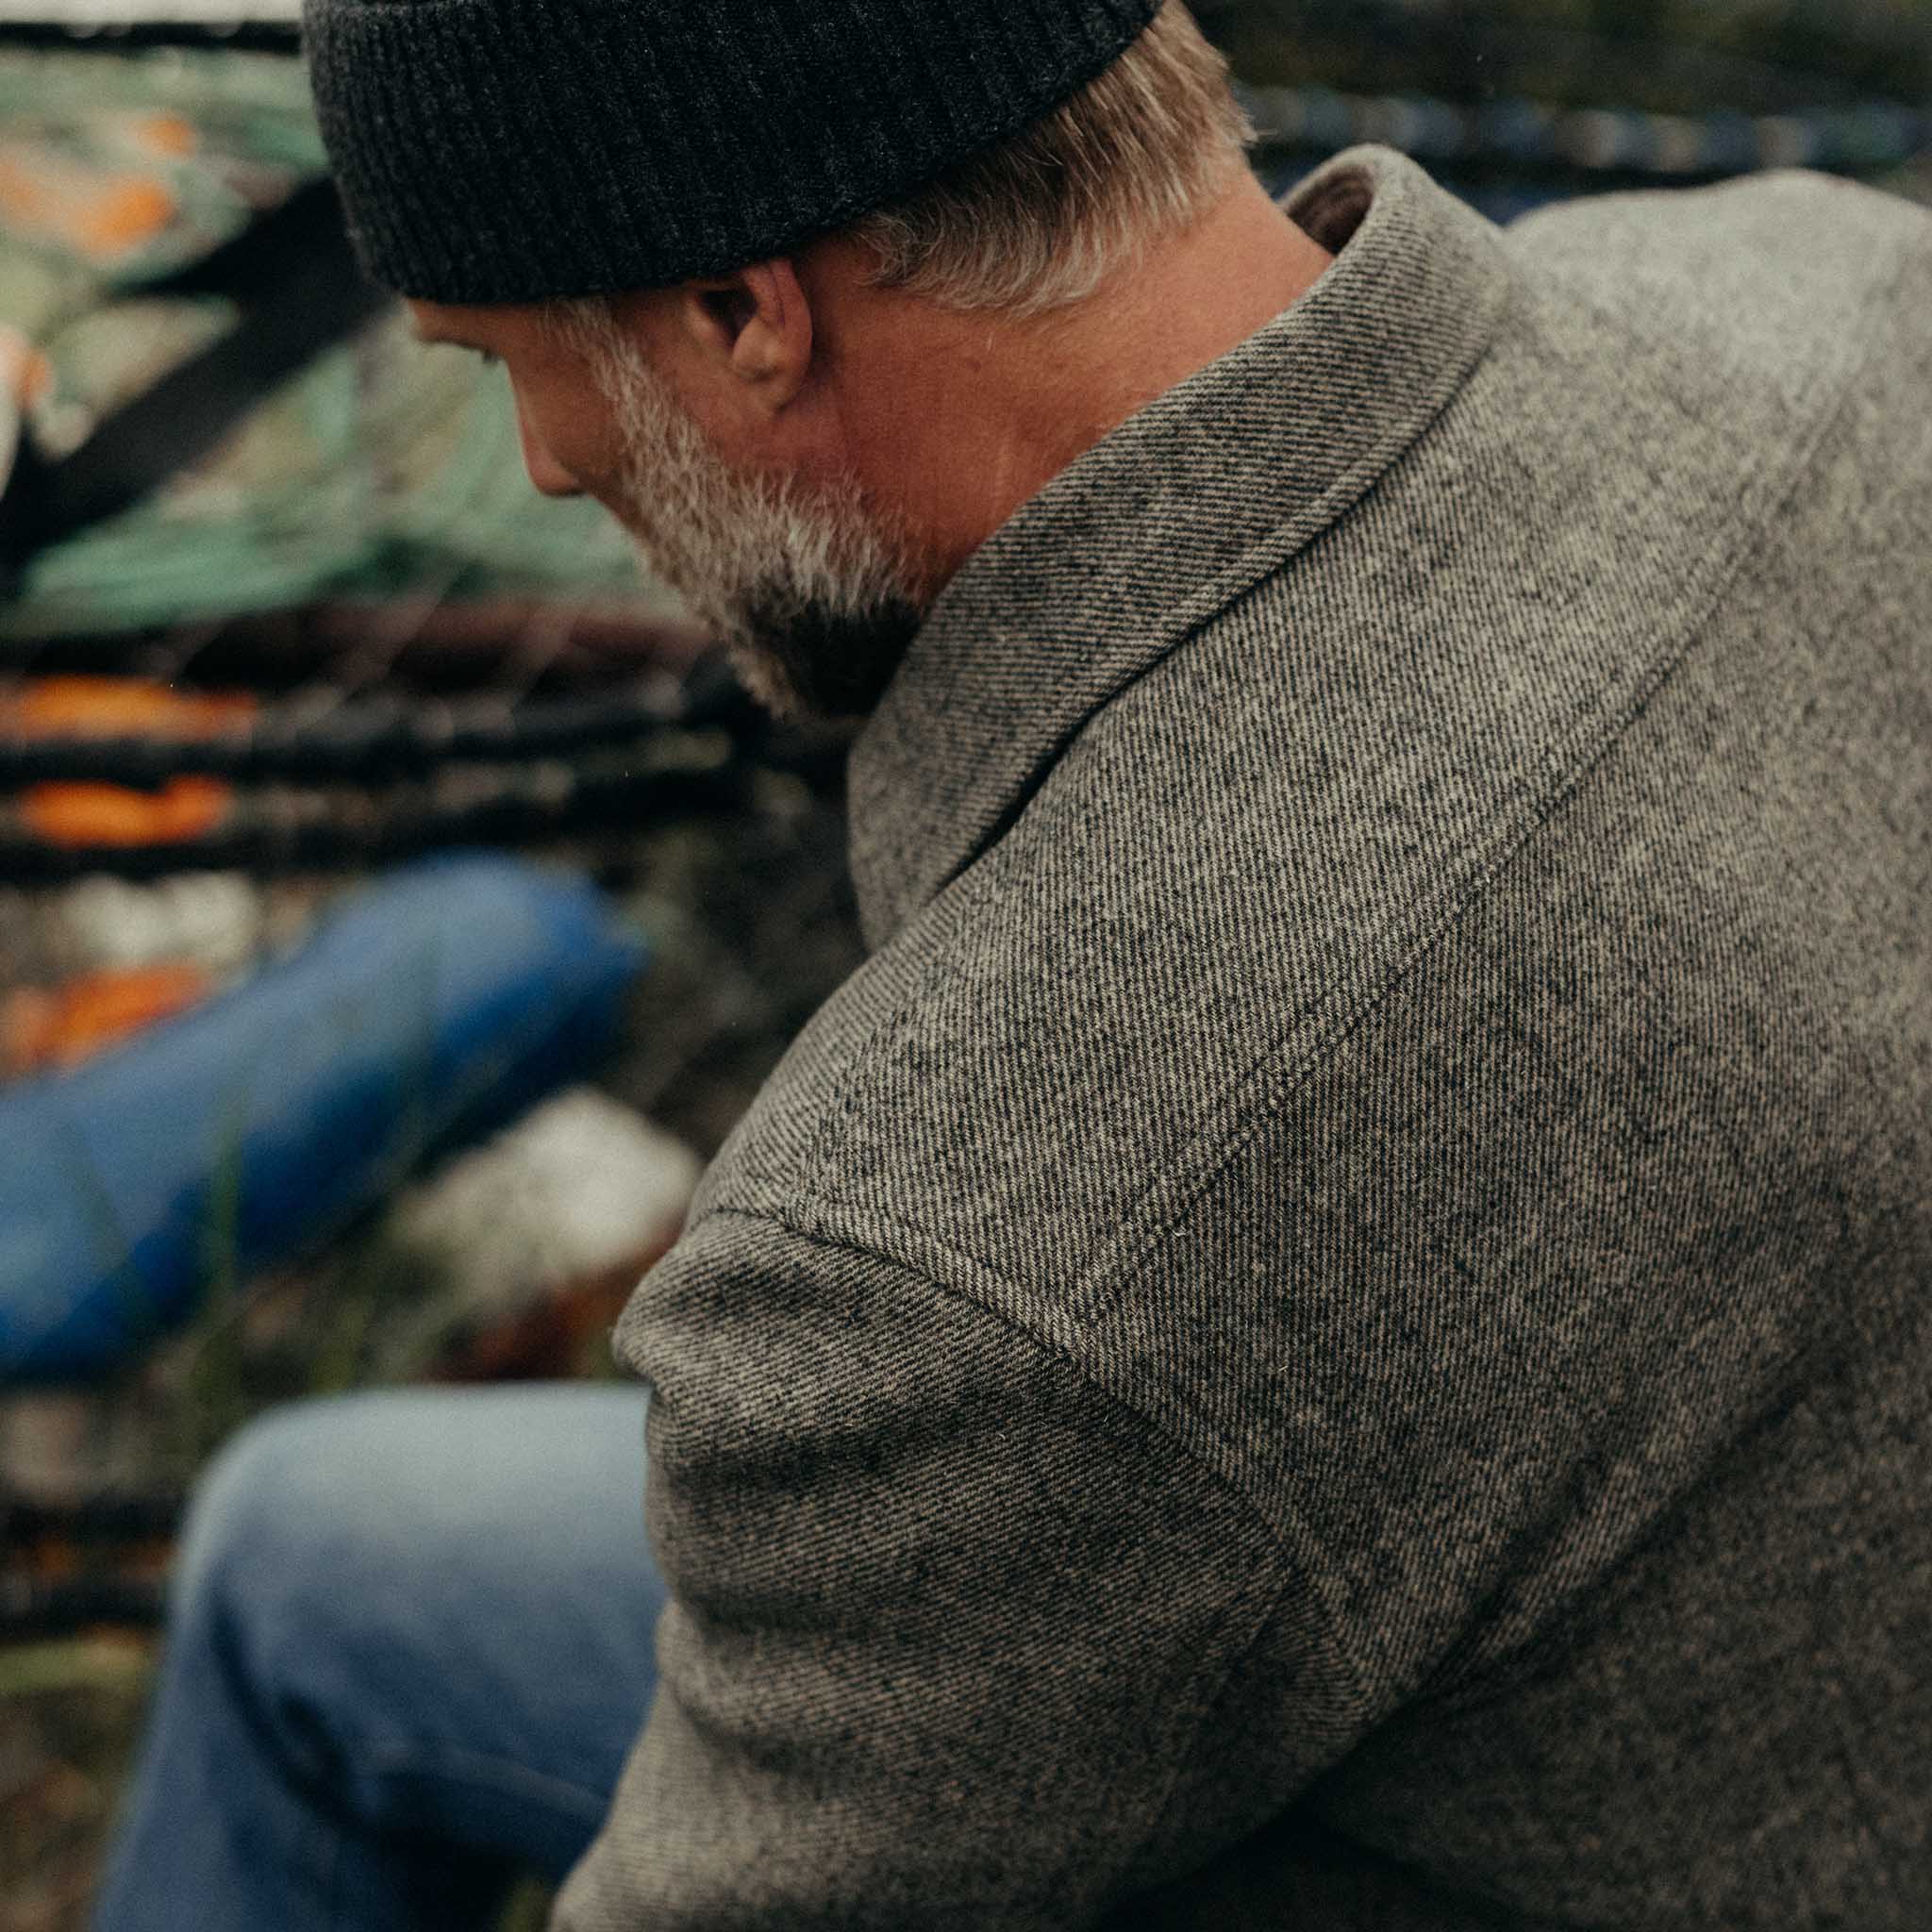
(1040, 221)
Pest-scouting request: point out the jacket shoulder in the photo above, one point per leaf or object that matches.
(1767, 268)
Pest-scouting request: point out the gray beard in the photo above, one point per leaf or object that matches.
(808, 592)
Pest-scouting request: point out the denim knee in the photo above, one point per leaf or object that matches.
(242, 1530)
(265, 1585)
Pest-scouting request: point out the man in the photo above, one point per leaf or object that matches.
(1332, 1331)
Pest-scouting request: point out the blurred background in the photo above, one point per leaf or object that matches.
(397, 902)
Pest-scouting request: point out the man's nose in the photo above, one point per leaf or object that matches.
(546, 473)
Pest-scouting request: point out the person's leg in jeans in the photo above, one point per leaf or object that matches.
(410, 1645)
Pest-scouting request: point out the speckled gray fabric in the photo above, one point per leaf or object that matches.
(1333, 1333)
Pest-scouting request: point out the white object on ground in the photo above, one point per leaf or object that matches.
(215, 918)
(578, 1187)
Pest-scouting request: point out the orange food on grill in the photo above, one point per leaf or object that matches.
(118, 708)
(43, 1027)
(78, 814)
(90, 813)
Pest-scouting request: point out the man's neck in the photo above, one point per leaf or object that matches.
(967, 415)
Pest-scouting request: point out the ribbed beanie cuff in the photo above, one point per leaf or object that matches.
(519, 150)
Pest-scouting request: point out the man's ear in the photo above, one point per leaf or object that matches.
(753, 326)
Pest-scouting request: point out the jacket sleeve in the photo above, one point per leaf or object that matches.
(947, 1625)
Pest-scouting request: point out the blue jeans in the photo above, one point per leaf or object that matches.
(411, 1643)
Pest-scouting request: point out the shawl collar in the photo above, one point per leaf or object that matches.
(1173, 515)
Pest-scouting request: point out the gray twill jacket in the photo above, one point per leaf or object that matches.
(1333, 1330)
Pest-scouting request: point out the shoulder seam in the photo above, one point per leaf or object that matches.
(1303, 1550)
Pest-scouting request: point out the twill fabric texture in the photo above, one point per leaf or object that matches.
(520, 150)
(1333, 1331)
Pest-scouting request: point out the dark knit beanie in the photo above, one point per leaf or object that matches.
(516, 150)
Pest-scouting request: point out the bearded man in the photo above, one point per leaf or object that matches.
(1332, 1332)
